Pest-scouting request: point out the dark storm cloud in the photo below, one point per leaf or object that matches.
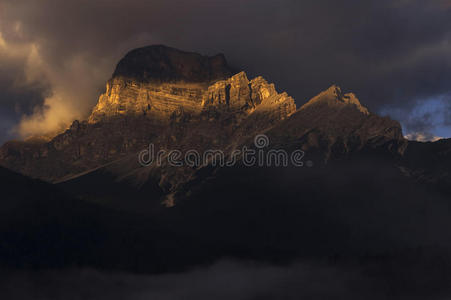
(392, 54)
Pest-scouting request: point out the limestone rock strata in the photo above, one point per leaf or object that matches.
(162, 101)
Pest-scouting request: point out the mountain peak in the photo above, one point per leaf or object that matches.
(171, 98)
(334, 96)
(159, 63)
(166, 94)
(334, 90)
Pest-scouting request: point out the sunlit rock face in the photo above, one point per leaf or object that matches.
(158, 82)
(161, 101)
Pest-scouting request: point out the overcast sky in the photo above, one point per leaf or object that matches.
(55, 56)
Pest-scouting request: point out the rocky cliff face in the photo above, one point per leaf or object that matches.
(163, 101)
(159, 82)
